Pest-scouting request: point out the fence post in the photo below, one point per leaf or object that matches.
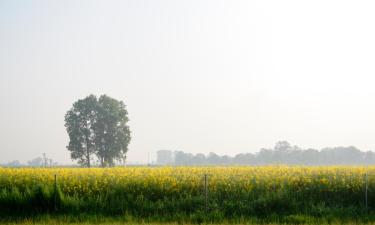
(55, 200)
(206, 192)
(366, 190)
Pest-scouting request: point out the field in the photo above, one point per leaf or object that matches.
(190, 194)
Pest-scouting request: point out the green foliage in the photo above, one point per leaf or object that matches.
(98, 127)
(79, 123)
(285, 205)
(112, 135)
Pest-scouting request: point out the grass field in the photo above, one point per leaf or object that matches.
(175, 223)
(125, 220)
(272, 194)
(115, 220)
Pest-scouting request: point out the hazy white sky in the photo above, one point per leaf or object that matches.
(198, 76)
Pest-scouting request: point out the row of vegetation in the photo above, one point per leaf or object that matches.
(282, 153)
(191, 193)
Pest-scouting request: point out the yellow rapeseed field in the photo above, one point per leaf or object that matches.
(175, 179)
(192, 193)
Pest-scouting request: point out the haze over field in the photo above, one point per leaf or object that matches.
(198, 76)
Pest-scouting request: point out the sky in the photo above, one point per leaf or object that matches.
(197, 76)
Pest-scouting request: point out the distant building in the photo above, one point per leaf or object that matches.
(164, 157)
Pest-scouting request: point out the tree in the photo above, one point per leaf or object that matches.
(97, 127)
(14, 163)
(181, 158)
(213, 159)
(36, 162)
(79, 123)
(112, 134)
(164, 157)
(282, 146)
(199, 159)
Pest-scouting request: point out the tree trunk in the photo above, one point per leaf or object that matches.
(88, 159)
(104, 159)
(88, 152)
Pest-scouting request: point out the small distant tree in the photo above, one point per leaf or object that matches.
(213, 158)
(14, 163)
(36, 162)
(98, 127)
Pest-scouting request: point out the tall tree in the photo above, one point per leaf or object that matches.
(112, 134)
(79, 123)
(98, 127)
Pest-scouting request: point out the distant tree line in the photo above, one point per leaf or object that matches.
(282, 153)
(36, 162)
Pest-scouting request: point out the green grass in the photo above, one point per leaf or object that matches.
(46, 203)
(125, 220)
(145, 223)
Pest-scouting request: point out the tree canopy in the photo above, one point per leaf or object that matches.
(97, 129)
